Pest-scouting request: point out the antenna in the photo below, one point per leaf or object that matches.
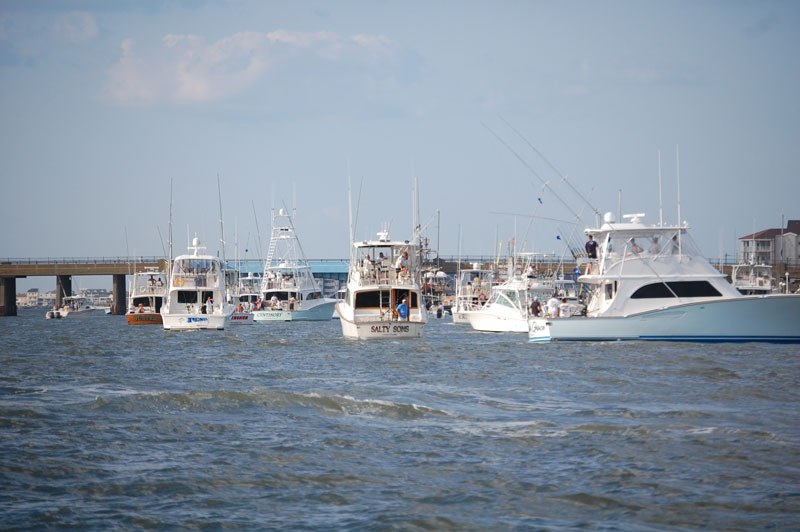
(678, 175)
(169, 263)
(221, 224)
(660, 209)
(258, 231)
(350, 205)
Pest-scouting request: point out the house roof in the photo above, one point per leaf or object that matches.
(793, 226)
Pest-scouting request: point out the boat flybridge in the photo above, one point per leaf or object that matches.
(383, 274)
(652, 283)
(196, 296)
(473, 289)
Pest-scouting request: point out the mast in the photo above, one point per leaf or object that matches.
(258, 231)
(350, 210)
(221, 224)
(169, 237)
(678, 174)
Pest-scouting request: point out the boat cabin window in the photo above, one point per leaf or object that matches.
(195, 266)
(508, 298)
(313, 295)
(187, 296)
(680, 288)
(611, 290)
(373, 299)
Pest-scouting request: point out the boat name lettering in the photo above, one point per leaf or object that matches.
(196, 320)
(387, 328)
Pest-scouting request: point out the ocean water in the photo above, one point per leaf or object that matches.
(291, 427)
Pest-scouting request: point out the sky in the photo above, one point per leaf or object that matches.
(517, 120)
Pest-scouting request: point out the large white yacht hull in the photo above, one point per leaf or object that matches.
(498, 320)
(189, 322)
(773, 318)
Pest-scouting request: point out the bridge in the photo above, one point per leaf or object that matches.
(64, 268)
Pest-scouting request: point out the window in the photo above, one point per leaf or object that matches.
(373, 299)
(681, 289)
(187, 296)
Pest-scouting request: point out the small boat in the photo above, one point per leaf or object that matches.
(753, 279)
(289, 290)
(147, 292)
(376, 288)
(506, 309)
(652, 283)
(197, 295)
(72, 307)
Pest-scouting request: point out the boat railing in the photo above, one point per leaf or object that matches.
(382, 275)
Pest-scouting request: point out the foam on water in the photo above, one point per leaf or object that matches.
(288, 426)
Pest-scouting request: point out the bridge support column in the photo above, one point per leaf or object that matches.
(118, 301)
(63, 288)
(8, 296)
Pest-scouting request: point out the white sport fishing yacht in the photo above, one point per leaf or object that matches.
(289, 290)
(197, 296)
(147, 292)
(652, 283)
(384, 274)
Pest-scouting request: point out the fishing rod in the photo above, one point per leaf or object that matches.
(556, 170)
(545, 183)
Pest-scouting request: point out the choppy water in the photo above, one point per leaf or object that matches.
(289, 426)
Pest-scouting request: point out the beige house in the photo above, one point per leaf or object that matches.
(772, 246)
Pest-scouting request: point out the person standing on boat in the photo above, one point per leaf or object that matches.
(209, 305)
(552, 306)
(536, 307)
(591, 253)
(402, 309)
(401, 266)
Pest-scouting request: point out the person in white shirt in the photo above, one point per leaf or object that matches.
(552, 306)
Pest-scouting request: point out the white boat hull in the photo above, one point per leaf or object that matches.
(189, 322)
(773, 318)
(499, 321)
(370, 329)
(321, 312)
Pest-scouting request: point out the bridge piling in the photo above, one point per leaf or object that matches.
(8, 298)
(118, 302)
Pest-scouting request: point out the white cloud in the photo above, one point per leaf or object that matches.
(187, 69)
(76, 27)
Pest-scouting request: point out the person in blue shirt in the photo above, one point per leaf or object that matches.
(402, 309)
